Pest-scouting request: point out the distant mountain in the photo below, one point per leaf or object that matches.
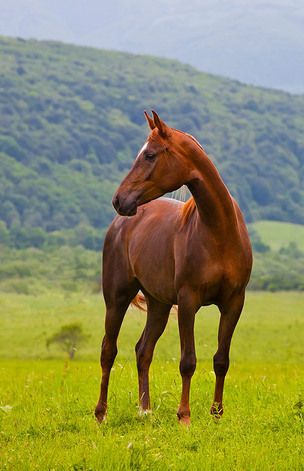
(71, 124)
(255, 41)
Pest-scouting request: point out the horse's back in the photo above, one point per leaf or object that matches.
(153, 216)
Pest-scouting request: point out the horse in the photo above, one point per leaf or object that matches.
(189, 254)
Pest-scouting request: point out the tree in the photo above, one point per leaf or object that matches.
(69, 337)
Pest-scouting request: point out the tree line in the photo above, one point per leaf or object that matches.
(71, 124)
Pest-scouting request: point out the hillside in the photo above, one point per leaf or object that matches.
(278, 235)
(71, 123)
(257, 42)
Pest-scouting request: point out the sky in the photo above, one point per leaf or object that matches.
(255, 41)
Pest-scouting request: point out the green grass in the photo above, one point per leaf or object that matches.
(47, 404)
(279, 234)
(269, 326)
(51, 425)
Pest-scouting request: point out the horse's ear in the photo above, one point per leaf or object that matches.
(161, 126)
(150, 121)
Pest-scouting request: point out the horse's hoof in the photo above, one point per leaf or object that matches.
(185, 421)
(100, 415)
(184, 418)
(145, 412)
(216, 411)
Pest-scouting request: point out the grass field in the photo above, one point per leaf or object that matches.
(279, 234)
(47, 404)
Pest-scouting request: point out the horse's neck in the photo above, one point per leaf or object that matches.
(213, 201)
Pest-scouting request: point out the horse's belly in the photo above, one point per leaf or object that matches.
(159, 287)
(154, 268)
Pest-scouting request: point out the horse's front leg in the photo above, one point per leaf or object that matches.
(186, 316)
(230, 313)
(157, 318)
(114, 318)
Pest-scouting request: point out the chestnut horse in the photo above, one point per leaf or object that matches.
(189, 255)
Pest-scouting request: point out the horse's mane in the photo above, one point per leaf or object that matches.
(190, 205)
(188, 209)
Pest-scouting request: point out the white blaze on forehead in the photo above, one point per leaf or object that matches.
(143, 148)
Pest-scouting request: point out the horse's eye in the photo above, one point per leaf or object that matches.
(150, 157)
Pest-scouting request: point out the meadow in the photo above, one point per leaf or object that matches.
(278, 234)
(47, 402)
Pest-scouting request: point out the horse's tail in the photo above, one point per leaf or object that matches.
(140, 302)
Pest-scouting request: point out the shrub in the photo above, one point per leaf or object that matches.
(69, 338)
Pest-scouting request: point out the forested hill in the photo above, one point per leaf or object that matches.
(71, 123)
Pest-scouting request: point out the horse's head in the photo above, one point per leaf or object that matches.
(159, 168)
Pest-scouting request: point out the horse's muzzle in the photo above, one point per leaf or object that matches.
(124, 207)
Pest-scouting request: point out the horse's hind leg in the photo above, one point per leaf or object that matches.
(186, 317)
(230, 314)
(157, 318)
(115, 312)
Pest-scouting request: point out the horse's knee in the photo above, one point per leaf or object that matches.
(187, 364)
(220, 364)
